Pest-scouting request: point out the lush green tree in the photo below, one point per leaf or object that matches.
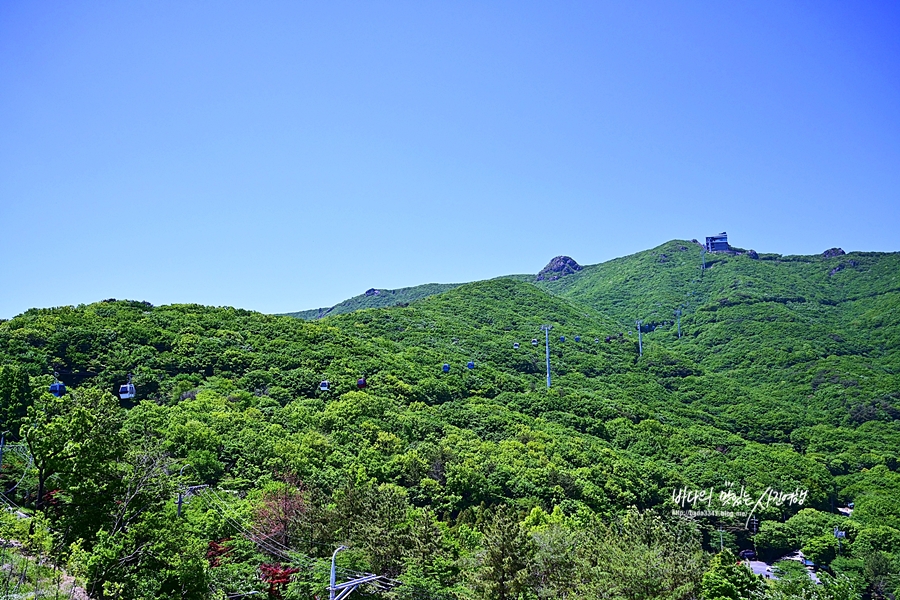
(558, 569)
(76, 442)
(641, 555)
(142, 550)
(774, 540)
(877, 538)
(880, 574)
(727, 578)
(507, 552)
(798, 585)
(155, 557)
(821, 549)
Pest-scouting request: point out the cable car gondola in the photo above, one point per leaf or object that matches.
(445, 368)
(323, 387)
(58, 389)
(470, 364)
(516, 346)
(126, 390)
(534, 342)
(577, 338)
(562, 338)
(361, 383)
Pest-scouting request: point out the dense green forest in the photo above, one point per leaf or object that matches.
(770, 407)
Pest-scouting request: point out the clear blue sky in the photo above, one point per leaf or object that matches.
(279, 156)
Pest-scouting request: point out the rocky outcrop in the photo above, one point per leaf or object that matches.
(832, 252)
(841, 266)
(558, 267)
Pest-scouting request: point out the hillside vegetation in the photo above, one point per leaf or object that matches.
(478, 482)
(376, 298)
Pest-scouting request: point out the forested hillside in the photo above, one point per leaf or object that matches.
(471, 482)
(376, 298)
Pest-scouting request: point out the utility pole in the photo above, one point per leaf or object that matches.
(2, 444)
(678, 319)
(721, 543)
(331, 588)
(547, 329)
(181, 490)
(640, 338)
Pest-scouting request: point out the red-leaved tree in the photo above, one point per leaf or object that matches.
(216, 550)
(278, 509)
(277, 576)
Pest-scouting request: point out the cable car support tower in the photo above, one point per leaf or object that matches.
(547, 329)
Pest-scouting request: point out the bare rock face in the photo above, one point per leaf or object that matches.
(832, 252)
(558, 267)
(753, 254)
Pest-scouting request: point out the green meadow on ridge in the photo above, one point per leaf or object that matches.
(475, 483)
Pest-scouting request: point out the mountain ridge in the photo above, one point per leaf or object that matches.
(434, 424)
(569, 281)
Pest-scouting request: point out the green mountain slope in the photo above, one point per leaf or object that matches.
(376, 298)
(651, 284)
(784, 322)
(786, 378)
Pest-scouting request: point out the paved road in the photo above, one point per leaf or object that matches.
(760, 568)
(767, 570)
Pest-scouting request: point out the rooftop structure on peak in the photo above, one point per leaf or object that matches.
(717, 243)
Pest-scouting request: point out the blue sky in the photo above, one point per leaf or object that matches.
(279, 156)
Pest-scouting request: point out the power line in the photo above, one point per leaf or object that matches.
(21, 450)
(214, 500)
(380, 582)
(240, 528)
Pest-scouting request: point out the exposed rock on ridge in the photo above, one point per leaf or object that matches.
(558, 267)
